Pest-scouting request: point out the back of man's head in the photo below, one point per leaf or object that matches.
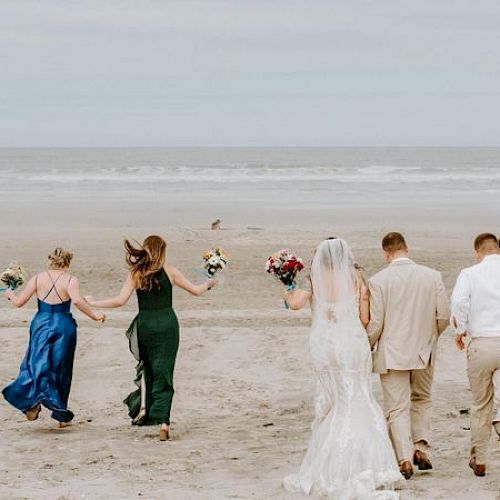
(394, 242)
(486, 244)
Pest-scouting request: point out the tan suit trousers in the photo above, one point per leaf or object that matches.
(496, 398)
(407, 407)
(483, 361)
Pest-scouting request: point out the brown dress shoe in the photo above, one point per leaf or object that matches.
(406, 469)
(421, 460)
(478, 469)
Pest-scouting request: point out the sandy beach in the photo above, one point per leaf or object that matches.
(290, 122)
(244, 385)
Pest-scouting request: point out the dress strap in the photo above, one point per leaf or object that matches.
(53, 287)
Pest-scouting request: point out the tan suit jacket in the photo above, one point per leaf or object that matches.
(409, 308)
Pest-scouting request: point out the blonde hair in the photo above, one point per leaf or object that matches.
(146, 262)
(59, 258)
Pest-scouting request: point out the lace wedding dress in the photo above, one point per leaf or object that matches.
(349, 454)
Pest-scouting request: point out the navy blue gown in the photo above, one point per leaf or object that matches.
(47, 368)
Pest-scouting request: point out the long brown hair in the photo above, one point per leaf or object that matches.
(146, 261)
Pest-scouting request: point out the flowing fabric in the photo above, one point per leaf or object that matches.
(153, 341)
(47, 368)
(349, 454)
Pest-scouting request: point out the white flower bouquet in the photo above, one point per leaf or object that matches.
(214, 261)
(13, 277)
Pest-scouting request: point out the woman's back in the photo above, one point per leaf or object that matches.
(52, 287)
(157, 298)
(338, 340)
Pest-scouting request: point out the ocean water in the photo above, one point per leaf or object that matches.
(257, 178)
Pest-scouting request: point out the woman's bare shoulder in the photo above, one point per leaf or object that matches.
(41, 278)
(172, 271)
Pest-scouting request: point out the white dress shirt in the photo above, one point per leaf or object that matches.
(400, 259)
(475, 302)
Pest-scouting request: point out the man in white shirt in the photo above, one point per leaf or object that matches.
(475, 311)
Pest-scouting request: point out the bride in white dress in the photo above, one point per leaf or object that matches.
(349, 455)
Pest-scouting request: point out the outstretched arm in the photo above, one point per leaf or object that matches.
(120, 300)
(297, 299)
(80, 303)
(24, 296)
(178, 279)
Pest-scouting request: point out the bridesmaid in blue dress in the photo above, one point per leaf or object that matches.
(47, 368)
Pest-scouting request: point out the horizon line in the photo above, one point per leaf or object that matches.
(257, 147)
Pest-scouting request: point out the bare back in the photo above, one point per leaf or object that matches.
(52, 286)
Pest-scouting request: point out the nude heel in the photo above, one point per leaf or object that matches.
(33, 413)
(165, 435)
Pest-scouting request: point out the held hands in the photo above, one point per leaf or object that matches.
(459, 337)
(90, 301)
(459, 341)
(101, 318)
(9, 294)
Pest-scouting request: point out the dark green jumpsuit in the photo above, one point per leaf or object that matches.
(154, 341)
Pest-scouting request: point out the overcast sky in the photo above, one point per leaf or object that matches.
(249, 72)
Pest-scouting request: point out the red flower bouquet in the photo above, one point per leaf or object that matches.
(285, 266)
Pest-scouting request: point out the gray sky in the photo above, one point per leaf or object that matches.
(249, 72)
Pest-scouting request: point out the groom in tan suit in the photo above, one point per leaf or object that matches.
(409, 309)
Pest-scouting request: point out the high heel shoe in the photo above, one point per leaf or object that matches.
(33, 413)
(165, 435)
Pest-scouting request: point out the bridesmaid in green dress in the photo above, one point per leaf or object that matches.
(154, 333)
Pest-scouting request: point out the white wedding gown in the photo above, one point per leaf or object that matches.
(349, 455)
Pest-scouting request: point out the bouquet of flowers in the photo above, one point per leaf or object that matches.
(285, 266)
(214, 260)
(14, 277)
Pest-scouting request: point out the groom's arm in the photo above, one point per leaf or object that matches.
(377, 313)
(443, 306)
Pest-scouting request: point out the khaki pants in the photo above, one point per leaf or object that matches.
(483, 360)
(496, 396)
(407, 407)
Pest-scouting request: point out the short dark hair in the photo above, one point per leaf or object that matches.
(393, 242)
(485, 239)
